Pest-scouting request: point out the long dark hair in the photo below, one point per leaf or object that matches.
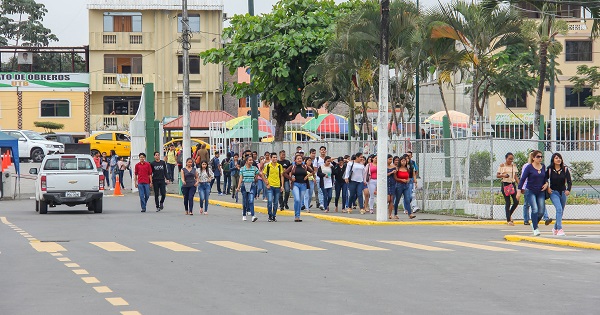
(562, 162)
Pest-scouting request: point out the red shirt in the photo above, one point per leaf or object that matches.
(97, 161)
(143, 172)
(402, 174)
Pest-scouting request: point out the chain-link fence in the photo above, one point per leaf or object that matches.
(458, 176)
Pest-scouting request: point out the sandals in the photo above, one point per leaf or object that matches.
(412, 216)
(187, 213)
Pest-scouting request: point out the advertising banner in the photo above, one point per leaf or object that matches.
(33, 80)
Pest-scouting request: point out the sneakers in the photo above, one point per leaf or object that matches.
(560, 233)
(157, 209)
(548, 221)
(322, 208)
(220, 194)
(303, 207)
(264, 199)
(526, 223)
(254, 219)
(244, 218)
(287, 207)
(161, 206)
(536, 232)
(274, 219)
(270, 219)
(554, 231)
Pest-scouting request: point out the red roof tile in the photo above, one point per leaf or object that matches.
(200, 119)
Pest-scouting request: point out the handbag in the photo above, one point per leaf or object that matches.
(509, 189)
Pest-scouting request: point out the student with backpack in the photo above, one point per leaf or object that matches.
(225, 166)
(274, 182)
(215, 166)
(249, 175)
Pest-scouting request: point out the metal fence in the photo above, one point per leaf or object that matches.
(457, 176)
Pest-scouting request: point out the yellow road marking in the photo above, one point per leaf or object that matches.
(26, 235)
(477, 246)
(417, 246)
(80, 272)
(63, 259)
(50, 247)
(56, 254)
(176, 247)
(130, 313)
(295, 245)
(112, 246)
(72, 265)
(355, 245)
(31, 239)
(546, 247)
(90, 280)
(103, 289)
(3, 219)
(117, 301)
(237, 246)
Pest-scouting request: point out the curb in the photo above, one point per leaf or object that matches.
(551, 241)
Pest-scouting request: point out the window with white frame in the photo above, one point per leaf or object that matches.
(55, 108)
(194, 23)
(122, 21)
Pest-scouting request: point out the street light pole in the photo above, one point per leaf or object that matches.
(417, 122)
(253, 97)
(382, 117)
(185, 42)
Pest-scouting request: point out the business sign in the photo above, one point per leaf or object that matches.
(24, 58)
(33, 81)
(124, 80)
(514, 118)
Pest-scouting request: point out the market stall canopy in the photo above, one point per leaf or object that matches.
(245, 122)
(328, 123)
(241, 133)
(457, 119)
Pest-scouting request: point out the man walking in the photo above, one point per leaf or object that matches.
(225, 166)
(171, 159)
(318, 162)
(274, 182)
(413, 173)
(215, 165)
(159, 180)
(234, 168)
(285, 196)
(143, 179)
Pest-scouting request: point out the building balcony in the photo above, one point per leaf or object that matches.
(121, 41)
(110, 122)
(118, 82)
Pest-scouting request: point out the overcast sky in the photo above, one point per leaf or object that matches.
(68, 19)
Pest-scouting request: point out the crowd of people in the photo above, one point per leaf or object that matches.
(537, 183)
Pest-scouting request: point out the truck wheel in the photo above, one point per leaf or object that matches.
(37, 155)
(37, 206)
(43, 207)
(98, 206)
(90, 206)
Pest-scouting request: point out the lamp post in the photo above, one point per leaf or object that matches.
(382, 117)
(253, 97)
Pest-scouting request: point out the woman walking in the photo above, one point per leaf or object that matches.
(114, 158)
(366, 190)
(121, 167)
(249, 175)
(355, 178)
(105, 164)
(560, 187)
(535, 175)
(507, 172)
(205, 176)
(391, 182)
(372, 183)
(189, 182)
(325, 174)
(402, 178)
(311, 183)
(341, 188)
(298, 174)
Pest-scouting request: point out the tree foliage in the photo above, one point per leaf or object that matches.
(48, 126)
(588, 77)
(48, 62)
(26, 29)
(278, 47)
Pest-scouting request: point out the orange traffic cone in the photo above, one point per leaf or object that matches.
(117, 187)
(2, 164)
(5, 161)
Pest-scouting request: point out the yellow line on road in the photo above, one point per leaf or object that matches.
(545, 247)
(63, 259)
(103, 289)
(49, 247)
(176, 247)
(477, 246)
(130, 313)
(4, 220)
(295, 245)
(417, 246)
(72, 265)
(56, 254)
(237, 246)
(80, 272)
(552, 241)
(117, 301)
(90, 280)
(355, 245)
(112, 246)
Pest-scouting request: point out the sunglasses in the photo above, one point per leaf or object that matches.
(538, 156)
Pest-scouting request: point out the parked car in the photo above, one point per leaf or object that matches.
(295, 136)
(33, 146)
(68, 179)
(63, 138)
(120, 141)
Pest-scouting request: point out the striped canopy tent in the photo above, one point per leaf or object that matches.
(245, 122)
(457, 119)
(327, 123)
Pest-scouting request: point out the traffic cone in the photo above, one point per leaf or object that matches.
(2, 164)
(5, 161)
(117, 191)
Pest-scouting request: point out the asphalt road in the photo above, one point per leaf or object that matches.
(217, 264)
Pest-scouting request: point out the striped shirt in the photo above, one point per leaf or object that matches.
(248, 173)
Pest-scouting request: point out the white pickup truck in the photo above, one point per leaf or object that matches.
(68, 179)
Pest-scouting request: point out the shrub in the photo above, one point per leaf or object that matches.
(580, 169)
(48, 126)
(520, 159)
(480, 166)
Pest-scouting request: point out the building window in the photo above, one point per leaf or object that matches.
(578, 50)
(122, 63)
(194, 23)
(122, 21)
(194, 64)
(194, 104)
(519, 101)
(121, 105)
(55, 108)
(576, 99)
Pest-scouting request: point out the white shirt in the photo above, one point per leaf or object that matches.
(358, 172)
(327, 181)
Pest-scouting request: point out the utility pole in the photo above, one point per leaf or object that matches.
(417, 122)
(253, 97)
(382, 117)
(185, 44)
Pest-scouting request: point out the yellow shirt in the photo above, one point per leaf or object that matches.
(275, 171)
(510, 170)
(171, 159)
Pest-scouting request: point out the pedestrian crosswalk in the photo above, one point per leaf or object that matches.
(441, 246)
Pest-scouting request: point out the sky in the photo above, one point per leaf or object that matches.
(68, 19)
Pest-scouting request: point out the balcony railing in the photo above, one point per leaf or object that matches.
(121, 40)
(109, 39)
(136, 39)
(110, 122)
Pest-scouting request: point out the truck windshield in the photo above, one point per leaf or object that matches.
(70, 164)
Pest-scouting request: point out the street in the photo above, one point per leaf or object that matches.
(126, 262)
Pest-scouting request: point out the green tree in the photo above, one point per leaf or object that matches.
(49, 126)
(587, 77)
(28, 30)
(48, 62)
(278, 47)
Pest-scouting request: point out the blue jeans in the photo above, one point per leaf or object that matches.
(106, 177)
(113, 175)
(538, 206)
(559, 200)
(260, 187)
(218, 179)
(273, 195)
(320, 195)
(227, 183)
(144, 190)
(402, 190)
(203, 193)
(171, 172)
(299, 191)
(341, 187)
(356, 191)
(248, 199)
(526, 206)
(327, 193)
(188, 197)
(309, 193)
